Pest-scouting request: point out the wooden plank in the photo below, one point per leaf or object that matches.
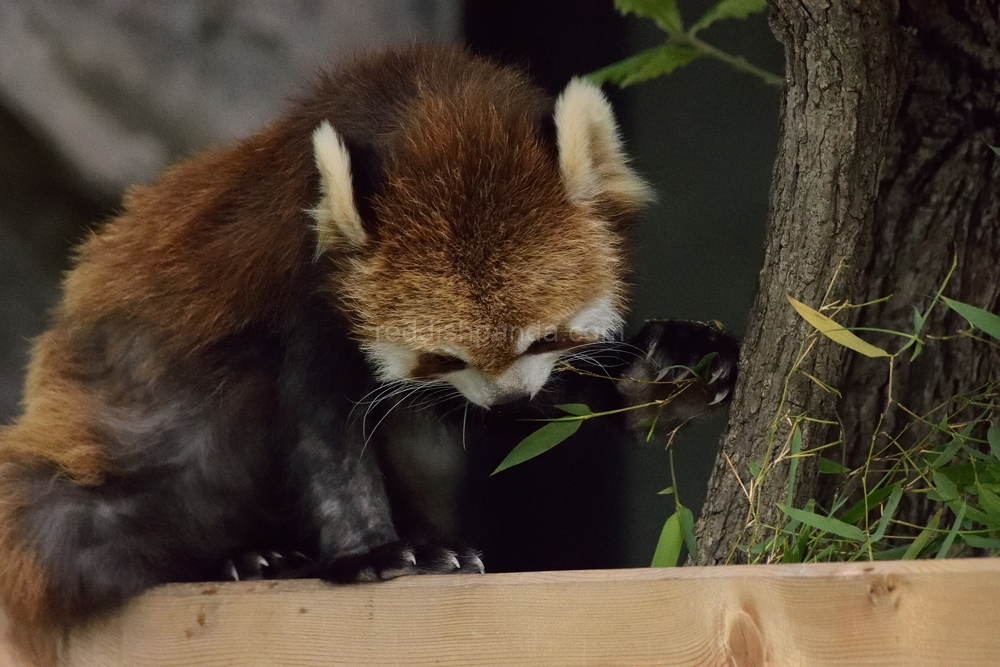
(895, 613)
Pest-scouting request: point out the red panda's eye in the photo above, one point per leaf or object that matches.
(550, 342)
(430, 364)
(558, 340)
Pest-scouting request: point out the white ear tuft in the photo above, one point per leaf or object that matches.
(337, 218)
(591, 157)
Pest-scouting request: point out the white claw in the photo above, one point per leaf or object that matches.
(231, 570)
(720, 396)
(262, 562)
(453, 559)
(410, 557)
(478, 564)
(662, 374)
(717, 373)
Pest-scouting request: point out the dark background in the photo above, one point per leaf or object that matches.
(704, 136)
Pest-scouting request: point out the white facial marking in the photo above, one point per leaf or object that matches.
(599, 320)
(526, 376)
(391, 361)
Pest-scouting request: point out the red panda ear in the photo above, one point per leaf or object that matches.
(337, 219)
(591, 157)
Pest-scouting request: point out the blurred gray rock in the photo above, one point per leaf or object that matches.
(123, 87)
(96, 95)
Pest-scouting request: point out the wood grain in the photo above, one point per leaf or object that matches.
(898, 613)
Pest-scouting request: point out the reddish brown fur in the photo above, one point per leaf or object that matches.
(429, 243)
(221, 241)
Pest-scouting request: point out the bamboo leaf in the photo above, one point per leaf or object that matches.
(887, 513)
(645, 65)
(539, 442)
(728, 9)
(913, 551)
(836, 332)
(860, 508)
(664, 12)
(944, 486)
(701, 368)
(981, 319)
(990, 503)
(825, 523)
(828, 467)
(793, 465)
(981, 542)
(576, 409)
(993, 437)
(950, 538)
(668, 549)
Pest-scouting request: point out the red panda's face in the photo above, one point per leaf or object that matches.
(491, 254)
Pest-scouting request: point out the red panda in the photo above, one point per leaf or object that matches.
(423, 220)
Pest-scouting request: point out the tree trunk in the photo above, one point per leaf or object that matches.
(842, 90)
(919, 94)
(939, 200)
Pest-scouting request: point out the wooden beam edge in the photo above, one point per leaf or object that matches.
(929, 612)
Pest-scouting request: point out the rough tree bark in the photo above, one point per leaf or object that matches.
(885, 164)
(842, 89)
(939, 199)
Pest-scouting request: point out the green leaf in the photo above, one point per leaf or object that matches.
(835, 332)
(687, 530)
(895, 553)
(825, 523)
(981, 542)
(995, 149)
(993, 437)
(664, 12)
(921, 540)
(990, 503)
(798, 547)
(981, 319)
(858, 510)
(950, 538)
(728, 9)
(828, 467)
(890, 509)
(754, 468)
(539, 442)
(645, 65)
(576, 409)
(793, 465)
(701, 368)
(665, 492)
(944, 486)
(668, 549)
(948, 453)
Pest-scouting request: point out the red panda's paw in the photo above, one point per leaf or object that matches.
(401, 558)
(681, 370)
(253, 565)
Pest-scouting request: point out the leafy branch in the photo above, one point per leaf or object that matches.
(682, 46)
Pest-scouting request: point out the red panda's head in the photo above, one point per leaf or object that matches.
(491, 247)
